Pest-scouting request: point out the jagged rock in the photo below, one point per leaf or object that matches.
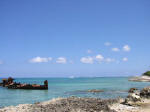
(145, 92)
(71, 104)
(132, 90)
(133, 98)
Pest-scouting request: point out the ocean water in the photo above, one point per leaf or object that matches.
(64, 87)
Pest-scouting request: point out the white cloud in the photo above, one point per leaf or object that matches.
(88, 59)
(115, 49)
(126, 48)
(61, 60)
(125, 59)
(107, 43)
(40, 59)
(99, 58)
(109, 60)
(89, 51)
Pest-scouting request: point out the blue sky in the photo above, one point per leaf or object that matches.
(63, 38)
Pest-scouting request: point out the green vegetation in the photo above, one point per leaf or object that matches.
(147, 73)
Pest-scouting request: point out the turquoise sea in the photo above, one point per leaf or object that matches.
(64, 87)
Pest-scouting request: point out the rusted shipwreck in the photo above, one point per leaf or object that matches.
(10, 84)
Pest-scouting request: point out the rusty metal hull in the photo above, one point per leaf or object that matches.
(28, 87)
(8, 83)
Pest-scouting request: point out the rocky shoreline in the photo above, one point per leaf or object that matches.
(145, 77)
(140, 79)
(136, 101)
(71, 104)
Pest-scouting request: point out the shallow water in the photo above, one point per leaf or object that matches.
(63, 87)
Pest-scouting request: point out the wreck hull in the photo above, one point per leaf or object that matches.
(8, 83)
(41, 87)
(33, 88)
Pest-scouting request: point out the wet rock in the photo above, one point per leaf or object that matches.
(145, 92)
(95, 91)
(89, 91)
(132, 90)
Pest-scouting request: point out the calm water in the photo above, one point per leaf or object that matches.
(64, 87)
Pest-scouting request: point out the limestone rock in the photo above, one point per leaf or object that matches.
(132, 90)
(132, 99)
(145, 92)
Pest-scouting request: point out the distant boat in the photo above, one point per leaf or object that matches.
(71, 77)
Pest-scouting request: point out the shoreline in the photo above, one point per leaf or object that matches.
(136, 101)
(70, 104)
(140, 79)
(77, 104)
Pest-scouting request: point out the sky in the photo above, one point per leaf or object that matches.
(74, 38)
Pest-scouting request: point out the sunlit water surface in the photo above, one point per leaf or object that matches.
(64, 87)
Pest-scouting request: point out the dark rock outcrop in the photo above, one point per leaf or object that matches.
(145, 92)
(132, 90)
(133, 97)
(95, 91)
